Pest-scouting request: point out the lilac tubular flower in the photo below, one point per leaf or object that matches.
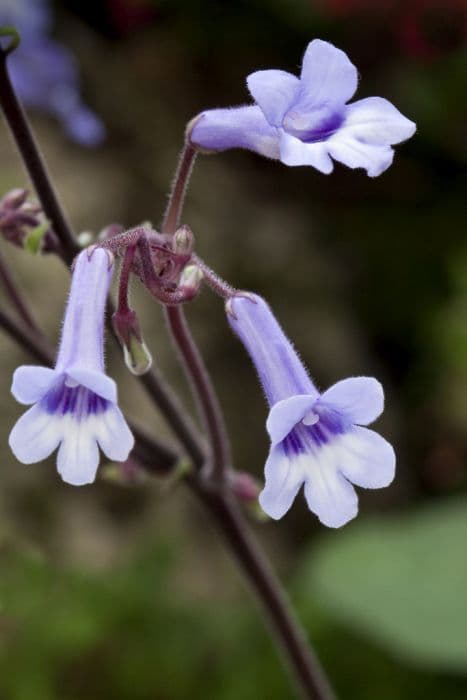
(306, 120)
(317, 440)
(45, 73)
(75, 404)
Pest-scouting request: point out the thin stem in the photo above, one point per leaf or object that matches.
(179, 185)
(203, 390)
(212, 279)
(154, 455)
(17, 298)
(34, 162)
(125, 271)
(305, 666)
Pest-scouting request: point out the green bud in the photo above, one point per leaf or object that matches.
(33, 240)
(183, 241)
(137, 356)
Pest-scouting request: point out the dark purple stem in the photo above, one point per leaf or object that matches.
(32, 158)
(125, 272)
(290, 637)
(179, 185)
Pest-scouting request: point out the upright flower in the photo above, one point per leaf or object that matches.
(317, 440)
(75, 404)
(306, 120)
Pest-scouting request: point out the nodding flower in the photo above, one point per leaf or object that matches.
(317, 440)
(74, 405)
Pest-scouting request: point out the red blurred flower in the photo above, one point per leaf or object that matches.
(127, 15)
(424, 28)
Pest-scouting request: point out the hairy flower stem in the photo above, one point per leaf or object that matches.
(212, 279)
(124, 282)
(211, 488)
(195, 369)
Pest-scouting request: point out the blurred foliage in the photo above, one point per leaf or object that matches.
(135, 633)
(400, 581)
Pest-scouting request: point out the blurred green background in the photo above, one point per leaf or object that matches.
(125, 592)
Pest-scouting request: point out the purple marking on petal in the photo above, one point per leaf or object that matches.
(317, 125)
(78, 400)
(305, 438)
(293, 445)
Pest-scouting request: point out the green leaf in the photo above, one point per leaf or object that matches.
(33, 241)
(400, 581)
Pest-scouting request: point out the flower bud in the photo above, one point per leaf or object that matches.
(136, 354)
(244, 486)
(191, 277)
(14, 198)
(85, 238)
(183, 241)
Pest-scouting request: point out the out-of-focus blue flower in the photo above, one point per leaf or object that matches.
(306, 120)
(75, 404)
(45, 73)
(317, 440)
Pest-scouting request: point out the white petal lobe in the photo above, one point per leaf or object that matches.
(35, 435)
(283, 480)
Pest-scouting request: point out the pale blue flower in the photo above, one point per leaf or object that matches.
(306, 120)
(74, 406)
(317, 440)
(45, 73)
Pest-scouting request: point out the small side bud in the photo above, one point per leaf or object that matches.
(191, 278)
(244, 486)
(85, 238)
(183, 241)
(246, 490)
(14, 198)
(137, 356)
